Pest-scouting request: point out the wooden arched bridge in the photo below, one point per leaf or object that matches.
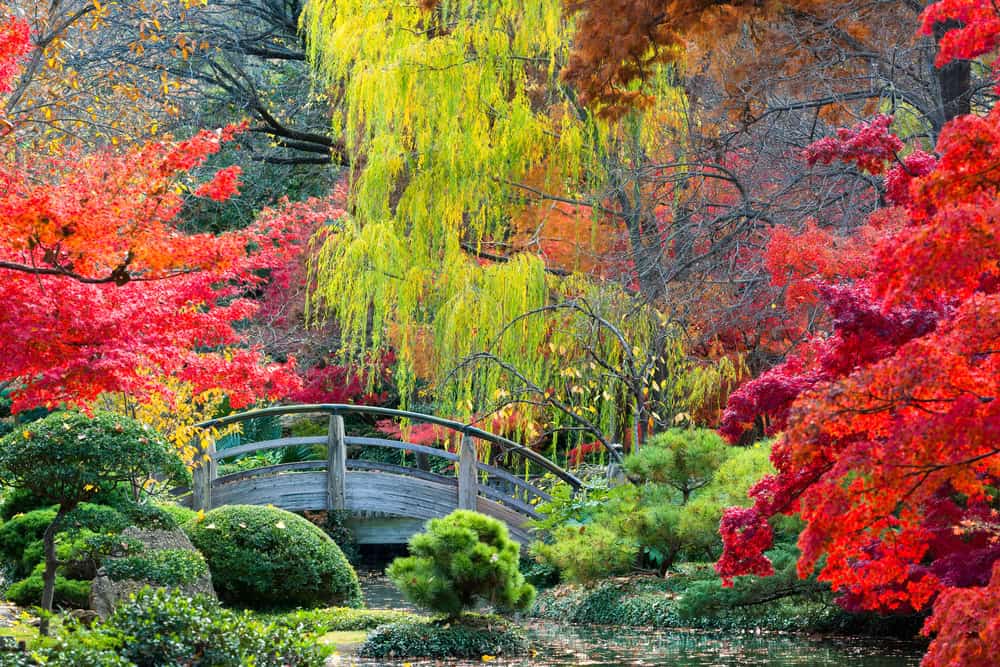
(389, 501)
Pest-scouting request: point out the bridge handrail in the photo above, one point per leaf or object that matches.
(342, 409)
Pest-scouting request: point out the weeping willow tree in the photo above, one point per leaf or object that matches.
(445, 112)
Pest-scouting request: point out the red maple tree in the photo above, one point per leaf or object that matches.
(103, 292)
(890, 449)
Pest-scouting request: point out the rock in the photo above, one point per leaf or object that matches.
(86, 617)
(9, 614)
(105, 593)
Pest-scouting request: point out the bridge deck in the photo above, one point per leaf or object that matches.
(401, 497)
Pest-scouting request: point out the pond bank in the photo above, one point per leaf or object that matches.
(561, 644)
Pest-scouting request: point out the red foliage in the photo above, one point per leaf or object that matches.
(223, 185)
(15, 43)
(745, 534)
(967, 623)
(975, 29)
(868, 145)
(341, 384)
(103, 293)
(892, 421)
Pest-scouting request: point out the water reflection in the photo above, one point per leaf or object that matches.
(557, 645)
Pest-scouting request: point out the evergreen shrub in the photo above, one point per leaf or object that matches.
(264, 557)
(461, 559)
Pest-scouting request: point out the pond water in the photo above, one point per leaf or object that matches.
(559, 645)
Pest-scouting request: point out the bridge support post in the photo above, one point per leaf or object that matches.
(203, 475)
(468, 480)
(336, 465)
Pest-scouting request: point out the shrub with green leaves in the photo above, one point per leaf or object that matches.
(68, 458)
(473, 638)
(180, 514)
(461, 559)
(339, 619)
(265, 557)
(27, 592)
(18, 534)
(163, 567)
(681, 482)
(161, 627)
(587, 552)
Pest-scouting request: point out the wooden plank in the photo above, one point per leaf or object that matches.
(505, 499)
(343, 409)
(336, 464)
(468, 478)
(203, 475)
(290, 491)
(385, 530)
(366, 491)
(399, 496)
(264, 445)
(516, 522)
(378, 466)
(298, 466)
(406, 446)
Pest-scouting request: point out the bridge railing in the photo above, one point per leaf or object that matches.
(472, 476)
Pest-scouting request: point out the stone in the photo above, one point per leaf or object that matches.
(106, 593)
(86, 617)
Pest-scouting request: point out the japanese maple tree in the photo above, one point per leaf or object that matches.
(890, 449)
(104, 293)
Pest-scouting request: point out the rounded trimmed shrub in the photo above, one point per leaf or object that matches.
(265, 557)
(461, 559)
(27, 592)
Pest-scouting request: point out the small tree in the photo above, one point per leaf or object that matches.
(684, 459)
(68, 458)
(459, 559)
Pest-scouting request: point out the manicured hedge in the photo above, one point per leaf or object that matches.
(264, 557)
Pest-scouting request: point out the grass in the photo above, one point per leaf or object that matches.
(344, 642)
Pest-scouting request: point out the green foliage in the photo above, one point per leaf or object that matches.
(587, 552)
(16, 659)
(683, 481)
(458, 560)
(265, 557)
(21, 537)
(684, 460)
(160, 627)
(335, 525)
(69, 592)
(663, 603)
(163, 567)
(22, 501)
(471, 639)
(70, 651)
(339, 619)
(69, 457)
(180, 514)
(18, 534)
(153, 516)
(96, 518)
(571, 507)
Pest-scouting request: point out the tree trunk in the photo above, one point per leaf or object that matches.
(954, 80)
(51, 563)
